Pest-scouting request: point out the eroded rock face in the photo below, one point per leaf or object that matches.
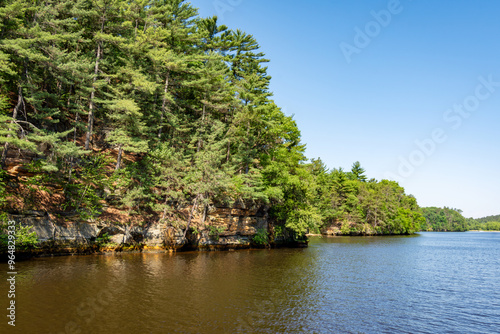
(47, 230)
(224, 228)
(331, 230)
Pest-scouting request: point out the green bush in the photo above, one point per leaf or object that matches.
(84, 193)
(261, 237)
(103, 239)
(215, 231)
(24, 239)
(346, 228)
(278, 231)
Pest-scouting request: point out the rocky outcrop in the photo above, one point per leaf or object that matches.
(331, 230)
(223, 228)
(230, 228)
(353, 229)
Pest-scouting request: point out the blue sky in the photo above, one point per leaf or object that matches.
(411, 89)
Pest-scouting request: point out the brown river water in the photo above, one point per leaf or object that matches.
(429, 283)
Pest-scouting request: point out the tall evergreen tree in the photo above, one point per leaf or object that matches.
(100, 19)
(358, 172)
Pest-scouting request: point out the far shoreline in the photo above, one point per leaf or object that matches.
(458, 231)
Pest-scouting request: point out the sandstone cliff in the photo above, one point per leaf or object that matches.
(224, 228)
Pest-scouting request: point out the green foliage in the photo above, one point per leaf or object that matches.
(3, 192)
(444, 220)
(103, 239)
(215, 231)
(25, 239)
(495, 218)
(84, 194)
(261, 237)
(357, 172)
(490, 226)
(346, 228)
(278, 231)
(451, 220)
(133, 185)
(360, 207)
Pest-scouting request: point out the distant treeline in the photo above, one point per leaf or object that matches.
(448, 219)
(489, 219)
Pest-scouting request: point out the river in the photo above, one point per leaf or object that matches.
(427, 283)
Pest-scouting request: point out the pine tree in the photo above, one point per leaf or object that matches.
(173, 37)
(358, 172)
(207, 180)
(37, 43)
(100, 19)
(251, 85)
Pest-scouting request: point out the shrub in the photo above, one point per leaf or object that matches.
(25, 239)
(215, 231)
(261, 237)
(103, 239)
(346, 228)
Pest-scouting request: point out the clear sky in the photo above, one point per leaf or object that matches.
(411, 89)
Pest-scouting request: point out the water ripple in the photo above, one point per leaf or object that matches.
(431, 283)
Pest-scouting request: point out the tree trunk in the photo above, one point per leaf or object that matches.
(14, 117)
(191, 215)
(74, 141)
(203, 121)
(74, 132)
(127, 236)
(248, 151)
(164, 103)
(90, 123)
(164, 210)
(135, 32)
(119, 158)
(204, 216)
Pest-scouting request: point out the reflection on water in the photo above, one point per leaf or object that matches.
(433, 282)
